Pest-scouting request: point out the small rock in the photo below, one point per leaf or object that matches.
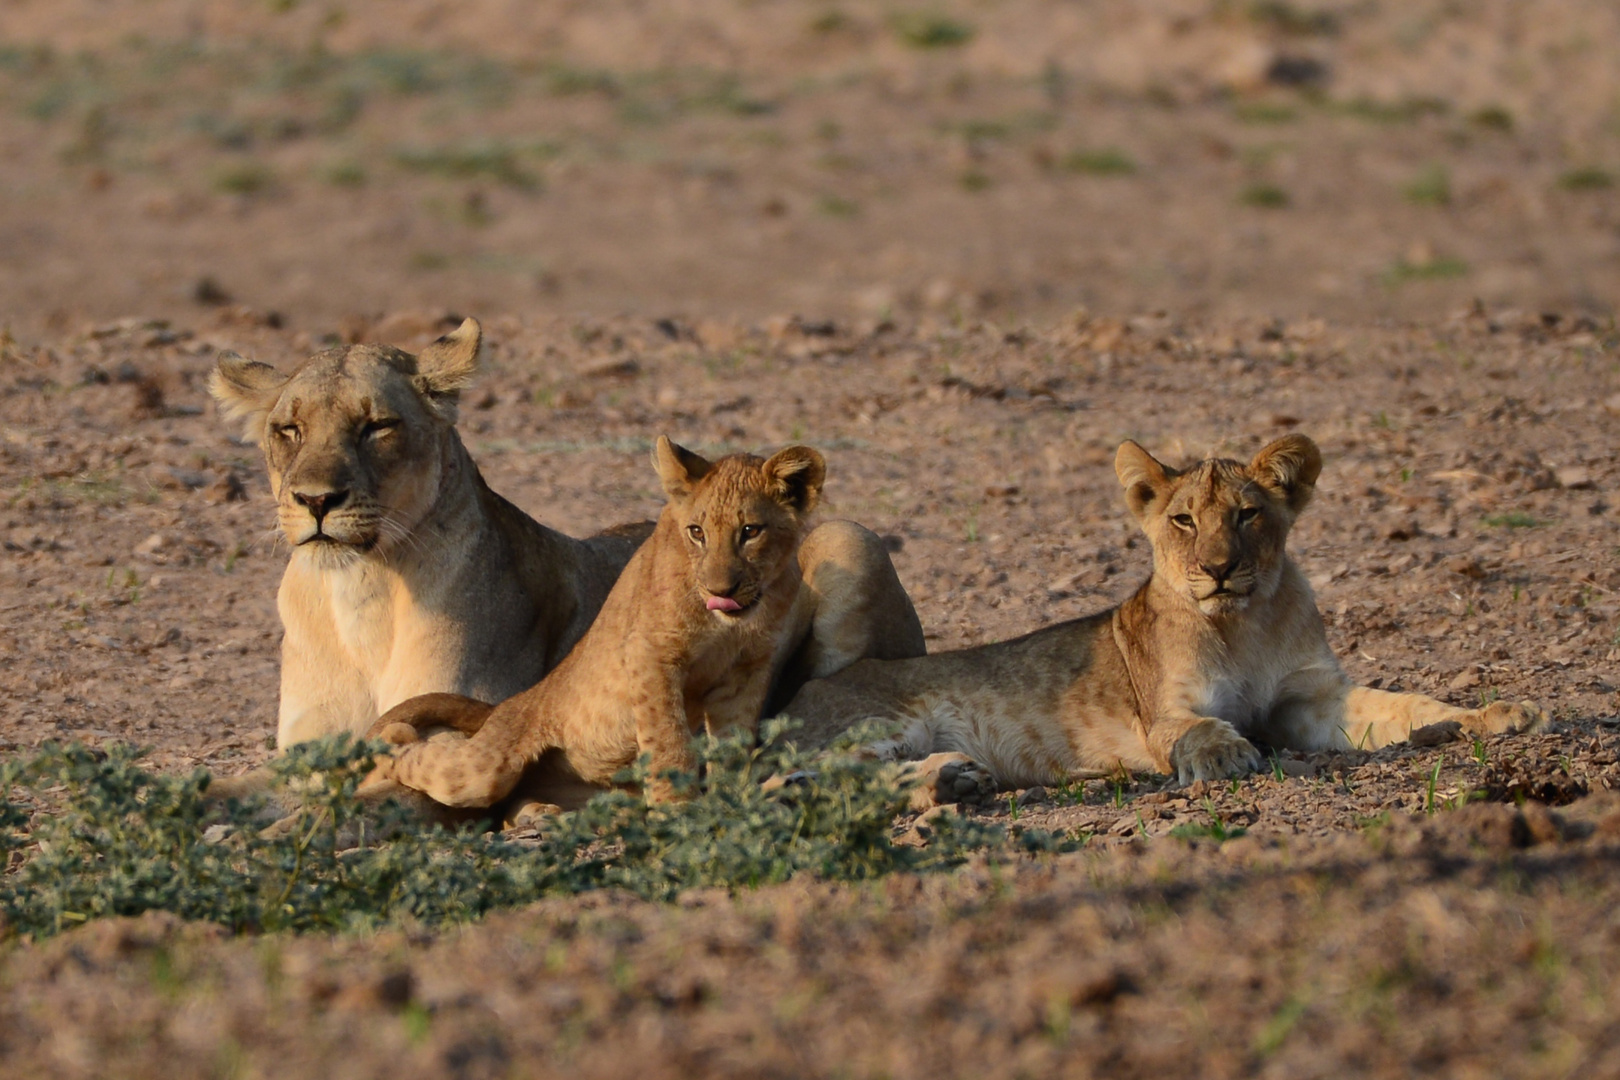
(228, 488)
(1463, 680)
(209, 292)
(1612, 403)
(1296, 767)
(1467, 567)
(1575, 477)
(612, 369)
(1035, 796)
(151, 545)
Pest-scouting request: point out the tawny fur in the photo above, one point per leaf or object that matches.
(1222, 645)
(423, 580)
(687, 642)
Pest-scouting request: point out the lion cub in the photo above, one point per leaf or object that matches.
(1223, 644)
(685, 642)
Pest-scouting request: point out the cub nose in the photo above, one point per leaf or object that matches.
(1218, 571)
(320, 503)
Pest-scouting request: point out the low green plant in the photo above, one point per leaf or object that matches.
(1264, 196)
(931, 30)
(1215, 829)
(119, 839)
(1587, 178)
(1106, 162)
(1516, 519)
(1430, 187)
(1425, 270)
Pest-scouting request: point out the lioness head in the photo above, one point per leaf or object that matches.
(1218, 528)
(741, 518)
(356, 439)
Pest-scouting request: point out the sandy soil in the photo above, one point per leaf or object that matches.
(691, 175)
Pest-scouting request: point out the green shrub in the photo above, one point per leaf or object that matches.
(117, 839)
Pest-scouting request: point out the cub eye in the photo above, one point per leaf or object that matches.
(1248, 514)
(289, 432)
(696, 533)
(376, 429)
(749, 532)
(1183, 521)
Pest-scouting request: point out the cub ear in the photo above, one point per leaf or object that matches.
(444, 368)
(1288, 468)
(1146, 480)
(678, 467)
(795, 476)
(246, 390)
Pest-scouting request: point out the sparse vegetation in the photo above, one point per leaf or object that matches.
(120, 840)
(1264, 196)
(1431, 187)
(931, 30)
(1102, 162)
(1587, 178)
(1438, 269)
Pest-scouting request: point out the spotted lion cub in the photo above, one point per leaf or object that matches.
(1221, 648)
(685, 642)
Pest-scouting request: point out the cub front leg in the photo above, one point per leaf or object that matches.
(662, 730)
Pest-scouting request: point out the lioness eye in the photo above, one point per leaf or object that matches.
(751, 531)
(1185, 521)
(1248, 514)
(377, 428)
(696, 533)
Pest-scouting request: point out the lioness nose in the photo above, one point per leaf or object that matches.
(320, 503)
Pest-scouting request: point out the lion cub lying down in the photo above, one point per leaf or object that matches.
(687, 641)
(1221, 645)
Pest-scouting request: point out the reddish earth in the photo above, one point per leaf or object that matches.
(914, 206)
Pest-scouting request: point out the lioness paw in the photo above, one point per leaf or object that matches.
(1212, 750)
(951, 777)
(1501, 717)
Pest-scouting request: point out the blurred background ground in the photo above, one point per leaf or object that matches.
(965, 249)
(722, 157)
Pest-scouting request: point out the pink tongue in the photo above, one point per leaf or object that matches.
(722, 603)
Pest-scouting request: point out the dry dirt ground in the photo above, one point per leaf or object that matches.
(1264, 246)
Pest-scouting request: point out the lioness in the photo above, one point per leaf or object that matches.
(686, 642)
(410, 576)
(1222, 644)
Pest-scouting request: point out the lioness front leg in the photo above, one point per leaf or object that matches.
(1212, 749)
(950, 777)
(1374, 718)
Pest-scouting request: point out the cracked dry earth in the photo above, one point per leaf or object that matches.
(1445, 908)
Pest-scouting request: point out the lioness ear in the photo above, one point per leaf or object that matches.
(678, 467)
(1144, 478)
(246, 390)
(1288, 468)
(795, 476)
(444, 368)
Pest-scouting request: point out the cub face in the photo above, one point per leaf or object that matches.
(356, 439)
(740, 519)
(1219, 529)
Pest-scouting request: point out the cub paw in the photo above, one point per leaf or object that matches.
(397, 733)
(1502, 717)
(947, 778)
(532, 814)
(1212, 750)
